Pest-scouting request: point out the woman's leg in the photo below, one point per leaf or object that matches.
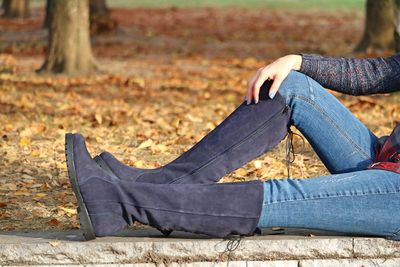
(248, 132)
(363, 202)
(342, 142)
(107, 204)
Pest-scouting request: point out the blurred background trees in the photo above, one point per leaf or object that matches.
(69, 50)
(74, 21)
(49, 12)
(379, 26)
(396, 9)
(15, 8)
(100, 18)
(70, 23)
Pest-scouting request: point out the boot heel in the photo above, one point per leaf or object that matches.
(88, 234)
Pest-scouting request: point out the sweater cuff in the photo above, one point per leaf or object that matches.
(309, 63)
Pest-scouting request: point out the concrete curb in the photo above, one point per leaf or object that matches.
(145, 248)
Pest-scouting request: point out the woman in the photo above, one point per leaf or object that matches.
(361, 197)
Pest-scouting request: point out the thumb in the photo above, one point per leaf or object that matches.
(274, 87)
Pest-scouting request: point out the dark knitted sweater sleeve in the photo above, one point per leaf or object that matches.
(354, 76)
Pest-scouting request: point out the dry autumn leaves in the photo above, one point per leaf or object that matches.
(162, 89)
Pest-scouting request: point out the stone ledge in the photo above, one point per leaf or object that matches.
(145, 248)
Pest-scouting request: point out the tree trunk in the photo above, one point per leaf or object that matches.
(100, 18)
(16, 8)
(49, 13)
(98, 7)
(4, 4)
(379, 26)
(396, 9)
(69, 49)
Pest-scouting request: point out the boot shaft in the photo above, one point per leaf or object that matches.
(212, 209)
(248, 132)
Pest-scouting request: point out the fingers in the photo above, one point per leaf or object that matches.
(264, 75)
(257, 86)
(255, 83)
(250, 86)
(275, 86)
(277, 71)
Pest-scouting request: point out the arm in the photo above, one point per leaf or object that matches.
(346, 75)
(354, 76)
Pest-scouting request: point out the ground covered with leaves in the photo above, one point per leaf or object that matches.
(168, 76)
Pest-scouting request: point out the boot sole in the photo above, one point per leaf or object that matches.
(83, 214)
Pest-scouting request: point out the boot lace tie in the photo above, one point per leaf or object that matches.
(290, 153)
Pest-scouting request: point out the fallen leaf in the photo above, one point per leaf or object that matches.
(193, 118)
(22, 192)
(176, 122)
(139, 164)
(53, 222)
(258, 164)
(27, 132)
(27, 177)
(241, 172)
(35, 153)
(9, 186)
(98, 118)
(39, 127)
(24, 141)
(146, 144)
(69, 211)
(55, 243)
(159, 148)
(27, 171)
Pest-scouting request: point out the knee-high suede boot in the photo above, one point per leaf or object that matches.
(248, 132)
(107, 204)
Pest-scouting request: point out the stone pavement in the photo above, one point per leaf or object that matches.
(147, 248)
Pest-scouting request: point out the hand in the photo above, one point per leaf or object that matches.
(277, 71)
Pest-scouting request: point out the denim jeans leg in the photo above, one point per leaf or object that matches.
(356, 203)
(341, 141)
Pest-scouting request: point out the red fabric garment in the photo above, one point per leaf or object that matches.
(387, 152)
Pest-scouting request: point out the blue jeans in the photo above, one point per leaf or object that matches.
(352, 200)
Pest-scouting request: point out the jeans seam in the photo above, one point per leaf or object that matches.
(310, 88)
(396, 233)
(332, 122)
(331, 196)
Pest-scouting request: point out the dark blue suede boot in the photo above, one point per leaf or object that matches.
(248, 132)
(108, 204)
(80, 170)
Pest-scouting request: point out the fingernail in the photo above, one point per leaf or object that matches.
(272, 94)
